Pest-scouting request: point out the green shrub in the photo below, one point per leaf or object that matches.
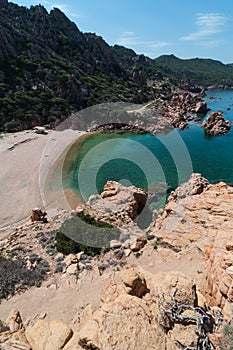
(84, 233)
(67, 246)
(156, 245)
(149, 237)
(15, 277)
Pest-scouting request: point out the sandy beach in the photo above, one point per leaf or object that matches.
(27, 159)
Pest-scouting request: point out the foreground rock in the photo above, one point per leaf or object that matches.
(133, 314)
(216, 124)
(117, 204)
(134, 307)
(195, 185)
(126, 321)
(48, 336)
(194, 218)
(218, 287)
(201, 108)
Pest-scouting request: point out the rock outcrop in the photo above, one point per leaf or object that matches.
(191, 218)
(134, 282)
(195, 185)
(130, 316)
(218, 286)
(38, 215)
(48, 336)
(117, 204)
(216, 124)
(201, 108)
(127, 319)
(178, 109)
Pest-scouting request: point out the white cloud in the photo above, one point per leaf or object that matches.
(128, 33)
(209, 44)
(130, 39)
(155, 44)
(126, 39)
(207, 24)
(61, 6)
(64, 8)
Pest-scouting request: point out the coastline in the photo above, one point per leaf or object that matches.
(26, 159)
(29, 161)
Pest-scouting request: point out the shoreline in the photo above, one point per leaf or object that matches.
(27, 158)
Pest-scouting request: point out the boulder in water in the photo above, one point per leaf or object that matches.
(216, 124)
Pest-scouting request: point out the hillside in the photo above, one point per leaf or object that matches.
(201, 71)
(49, 69)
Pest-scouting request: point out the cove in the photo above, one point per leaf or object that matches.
(148, 161)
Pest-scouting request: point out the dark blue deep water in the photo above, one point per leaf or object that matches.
(148, 161)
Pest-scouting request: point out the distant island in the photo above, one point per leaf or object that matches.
(50, 69)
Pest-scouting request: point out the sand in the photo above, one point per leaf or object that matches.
(63, 297)
(27, 159)
(27, 162)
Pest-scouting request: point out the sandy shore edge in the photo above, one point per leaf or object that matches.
(26, 159)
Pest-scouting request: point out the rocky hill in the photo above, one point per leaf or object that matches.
(49, 69)
(173, 292)
(204, 72)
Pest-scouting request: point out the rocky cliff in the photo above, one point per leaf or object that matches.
(129, 317)
(48, 68)
(175, 293)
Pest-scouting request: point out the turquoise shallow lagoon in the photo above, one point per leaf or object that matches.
(148, 161)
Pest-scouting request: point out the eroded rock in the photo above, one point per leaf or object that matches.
(134, 282)
(201, 107)
(216, 124)
(138, 244)
(14, 321)
(48, 336)
(117, 204)
(38, 215)
(195, 185)
(218, 285)
(125, 321)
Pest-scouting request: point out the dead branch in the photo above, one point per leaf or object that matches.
(171, 312)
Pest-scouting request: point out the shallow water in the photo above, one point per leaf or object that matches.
(148, 161)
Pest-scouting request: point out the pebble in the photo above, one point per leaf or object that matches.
(124, 237)
(59, 257)
(119, 254)
(115, 244)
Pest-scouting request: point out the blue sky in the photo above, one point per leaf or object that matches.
(186, 28)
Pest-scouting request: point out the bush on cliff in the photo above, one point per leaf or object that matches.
(84, 233)
(15, 277)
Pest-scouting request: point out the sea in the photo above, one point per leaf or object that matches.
(157, 164)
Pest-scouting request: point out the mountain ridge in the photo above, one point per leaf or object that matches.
(202, 71)
(50, 69)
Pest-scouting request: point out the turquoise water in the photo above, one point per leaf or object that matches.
(148, 161)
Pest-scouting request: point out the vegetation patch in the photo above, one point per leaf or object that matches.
(16, 277)
(84, 233)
